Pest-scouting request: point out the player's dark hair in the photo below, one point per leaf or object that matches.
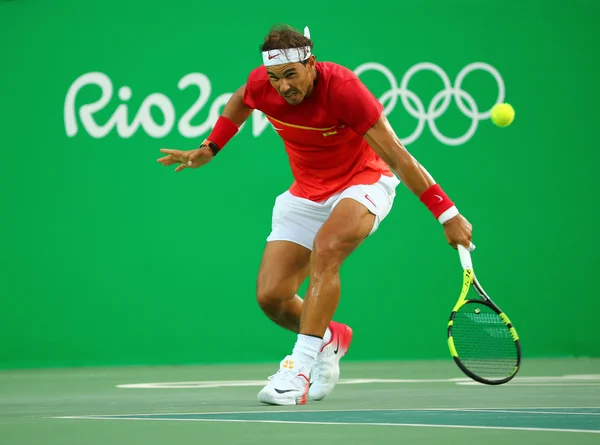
(285, 37)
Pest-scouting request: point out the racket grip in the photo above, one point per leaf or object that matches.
(465, 256)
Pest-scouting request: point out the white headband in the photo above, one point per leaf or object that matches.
(291, 55)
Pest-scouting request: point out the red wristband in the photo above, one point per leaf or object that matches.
(223, 131)
(436, 200)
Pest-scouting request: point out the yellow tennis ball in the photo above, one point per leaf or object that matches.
(503, 114)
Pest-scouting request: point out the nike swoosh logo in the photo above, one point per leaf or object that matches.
(439, 197)
(283, 391)
(371, 201)
(272, 57)
(337, 347)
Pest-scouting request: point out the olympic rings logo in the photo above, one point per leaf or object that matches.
(439, 103)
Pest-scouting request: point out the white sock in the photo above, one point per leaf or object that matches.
(327, 337)
(305, 351)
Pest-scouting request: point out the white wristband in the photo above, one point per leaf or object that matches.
(450, 213)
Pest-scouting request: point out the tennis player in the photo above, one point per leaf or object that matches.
(343, 155)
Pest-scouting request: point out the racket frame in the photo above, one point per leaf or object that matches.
(469, 280)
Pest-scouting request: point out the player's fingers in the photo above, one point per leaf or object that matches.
(169, 151)
(451, 242)
(463, 241)
(165, 159)
(466, 243)
(181, 167)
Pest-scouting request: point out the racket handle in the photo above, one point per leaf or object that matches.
(465, 256)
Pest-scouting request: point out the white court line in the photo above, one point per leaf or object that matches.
(244, 383)
(518, 411)
(564, 379)
(515, 384)
(266, 410)
(559, 430)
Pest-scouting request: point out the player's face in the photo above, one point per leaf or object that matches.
(293, 81)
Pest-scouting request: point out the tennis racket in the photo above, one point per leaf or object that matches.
(481, 338)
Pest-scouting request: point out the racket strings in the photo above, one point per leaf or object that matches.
(483, 342)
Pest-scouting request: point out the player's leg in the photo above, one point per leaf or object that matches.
(356, 214)
(283, 269)
(348, 226)
(377, 199)
(285, 265)
(349, 223)
(286, 259)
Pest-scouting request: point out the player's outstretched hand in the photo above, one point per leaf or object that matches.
(458, 231)
(185, 158)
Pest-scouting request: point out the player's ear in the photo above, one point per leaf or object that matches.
(311, 61)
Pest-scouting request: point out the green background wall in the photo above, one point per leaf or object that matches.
(109, 258)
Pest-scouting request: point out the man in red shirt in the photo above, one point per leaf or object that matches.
(343, 154)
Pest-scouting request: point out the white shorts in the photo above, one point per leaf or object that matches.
(298, 220)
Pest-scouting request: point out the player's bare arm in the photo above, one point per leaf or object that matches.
(383, 140)
(234, 115)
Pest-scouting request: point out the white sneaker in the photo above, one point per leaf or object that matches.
(288, 386)
(326, 371)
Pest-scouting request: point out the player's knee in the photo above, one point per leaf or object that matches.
(270, 297)
(327, 254)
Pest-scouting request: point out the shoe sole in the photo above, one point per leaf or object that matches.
(269, 400)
